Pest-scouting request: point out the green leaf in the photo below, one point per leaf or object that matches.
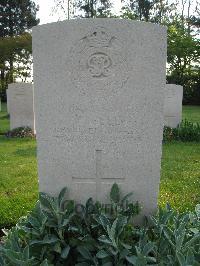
(82, 264)
(115, 193)
(197, 210)
(180, 258)
(57, 248)
(102, 254)
(126, 246)
(65, 222)
(104, 221)
(44, 263)
(85, 253)
(125, 198)
(47, 202)
(148, 248)
(121, 223)
(112, 232)
(65, 252)
(61, 196)
(46, 240)
(15, 257)
(132, 259)
(26, 253)
(107, 264)
(190, 258)
(105, 240)
(196, 238)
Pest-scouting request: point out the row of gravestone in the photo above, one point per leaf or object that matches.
(20, 105)
(99, 92)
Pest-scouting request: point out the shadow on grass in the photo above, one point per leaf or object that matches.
(5, 116)
(29, 152)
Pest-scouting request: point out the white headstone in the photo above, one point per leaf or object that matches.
(173, 105)
(7, 98)
(105, 79)
(20, 102)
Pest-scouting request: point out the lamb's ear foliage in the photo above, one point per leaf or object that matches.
(115, 194)
(58, 232)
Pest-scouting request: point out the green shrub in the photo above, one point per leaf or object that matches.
(58, 232)
(20, 132)
(186, 131)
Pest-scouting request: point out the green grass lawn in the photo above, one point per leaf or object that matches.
(191, 113)
(4, 121)
(180, 175)
(18, 178)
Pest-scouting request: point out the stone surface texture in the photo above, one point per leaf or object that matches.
(7, 101)
(173, 105)
(105, 79)
(20, 105)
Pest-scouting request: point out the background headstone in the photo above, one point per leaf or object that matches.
(20, 99)
(173, 105)
(105, 79)
(7, 100)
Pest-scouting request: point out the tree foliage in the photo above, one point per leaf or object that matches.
(16, 18)
(94, 8)
(84, 8)
(19, 49)
(183, 35)
(183, 55)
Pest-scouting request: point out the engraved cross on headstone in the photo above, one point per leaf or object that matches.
(99, 176)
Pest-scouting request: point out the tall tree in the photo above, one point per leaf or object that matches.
(84, 8)
(19, 48)
(183, 39)
(16, 18)
(140, 8)
(66, 7)
(148, 10)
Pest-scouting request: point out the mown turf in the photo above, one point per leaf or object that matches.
(18, 178)
(180, 179)
(180, 175)
(191, 113)
(4, 121)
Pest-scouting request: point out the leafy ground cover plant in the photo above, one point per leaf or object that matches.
(59, 232)
(20, 132)
(186, 131)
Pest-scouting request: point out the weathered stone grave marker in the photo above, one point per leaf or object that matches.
(105, 79)
(20, 105)
(173, 105)
(7, 100)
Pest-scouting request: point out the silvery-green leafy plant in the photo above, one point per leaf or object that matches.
(59, 232)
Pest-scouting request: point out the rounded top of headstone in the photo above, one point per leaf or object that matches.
(174, 89)
(101, 21)
(19, 85)
(174, 86)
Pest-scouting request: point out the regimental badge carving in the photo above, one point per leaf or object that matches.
(99, 65)
(98, 59)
